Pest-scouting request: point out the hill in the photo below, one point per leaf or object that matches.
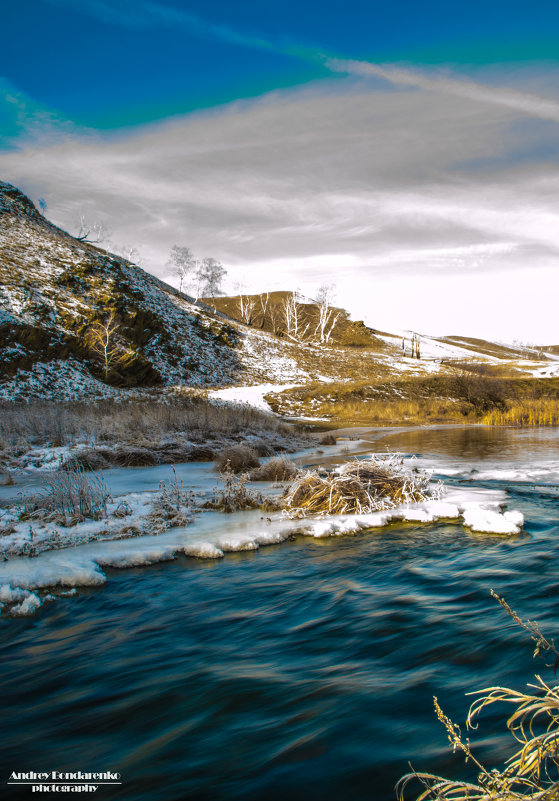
(288, 316)
(57, 293)
(79, 322)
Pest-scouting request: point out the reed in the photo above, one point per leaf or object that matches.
(532, 772)
(358, 487)
(142, 421)
(69, 496)
(538, 412)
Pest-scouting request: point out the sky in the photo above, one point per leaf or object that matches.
(405, 153)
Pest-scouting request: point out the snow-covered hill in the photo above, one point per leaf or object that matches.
(55, 292)
(54, 288)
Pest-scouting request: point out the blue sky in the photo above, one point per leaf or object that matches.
(408, 148)
(108, 64)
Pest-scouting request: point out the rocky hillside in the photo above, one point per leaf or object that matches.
(58, 293)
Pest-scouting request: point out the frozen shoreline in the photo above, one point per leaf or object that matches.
(26, 583)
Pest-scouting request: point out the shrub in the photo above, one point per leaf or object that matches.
(233, 496)
(172, 505)
(236, 459)
(70, 495)
(278, 469)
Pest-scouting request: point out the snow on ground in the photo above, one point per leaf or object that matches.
(539, 370)
(253, 396)
(29, 582)
(264, 357)
(60, 379)
(431, 348)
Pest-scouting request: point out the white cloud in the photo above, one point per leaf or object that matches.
(524, 102)
(378, 191)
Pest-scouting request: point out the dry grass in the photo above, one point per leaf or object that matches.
(472, 394)
(278, 469)
(172, 506)
(233, 495)
(237, 459)
(532, 772)
(69, 496)
(358, 487)
(529, 413)
(140, 422)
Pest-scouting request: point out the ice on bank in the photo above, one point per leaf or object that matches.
(26, 583)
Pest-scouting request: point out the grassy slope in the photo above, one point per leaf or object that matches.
(451, 396)
(265, 312)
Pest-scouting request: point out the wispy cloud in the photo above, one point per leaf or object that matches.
(327, 183)
(340, 181)
(22, 119)
(523, 102)
(147, 13)
(134, 14)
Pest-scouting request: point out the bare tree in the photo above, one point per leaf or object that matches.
(92, 231)
(128, 252)
(294, 325)
(277, 318)
(415, 347)
(327, 316)
(183, 263)
(42, 205)
(247, 307)
(264, 299)
(101, 339)
(210, 275)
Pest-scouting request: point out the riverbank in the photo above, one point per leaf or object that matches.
(160, 513)
(47, 435)
(470, 394)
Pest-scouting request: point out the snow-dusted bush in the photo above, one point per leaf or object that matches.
(237, 459)
(70, 495)
(278, 469)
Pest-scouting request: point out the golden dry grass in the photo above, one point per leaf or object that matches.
(358, 487)
(543, 412)
(456, 396)
(532, 772)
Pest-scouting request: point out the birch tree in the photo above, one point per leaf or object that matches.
(247, 306)
(327, 316)
(92, 231)
(182, 263)
(101, 339)
(294, 325)
(210, 275)
(264, 299)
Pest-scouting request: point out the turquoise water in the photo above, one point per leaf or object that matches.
(305, 670)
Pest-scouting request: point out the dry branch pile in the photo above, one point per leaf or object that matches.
(358, 487)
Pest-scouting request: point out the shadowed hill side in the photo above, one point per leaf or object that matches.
(65, 303)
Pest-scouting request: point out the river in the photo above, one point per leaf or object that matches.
(305, 670)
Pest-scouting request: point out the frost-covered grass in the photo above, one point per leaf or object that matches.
(151, 530)
(69, 495)
(358, 487)
(112, 433)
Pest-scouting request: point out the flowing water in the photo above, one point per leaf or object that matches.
(305, 670)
